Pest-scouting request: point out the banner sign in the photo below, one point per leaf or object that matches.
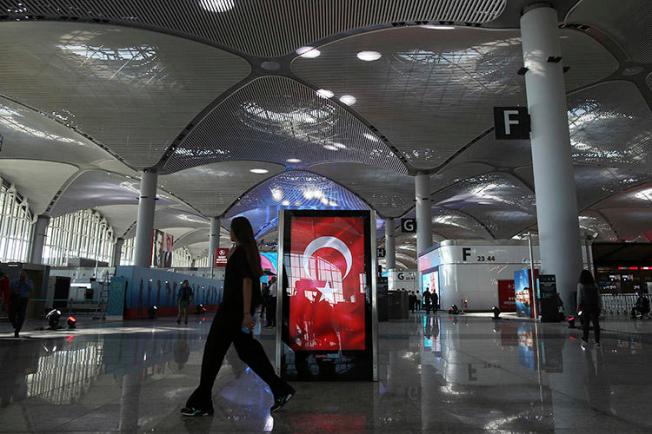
(220, 257)
(162, 249)
(327, 295)
(408, 226)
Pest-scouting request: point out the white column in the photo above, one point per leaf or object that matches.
(38, 239)
(554, 178)
(117, 251)
(424, 212)
(213, 240)
(390, 244)
(145, 222)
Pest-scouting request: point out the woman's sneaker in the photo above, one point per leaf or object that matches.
(195, 412)
(281, 400)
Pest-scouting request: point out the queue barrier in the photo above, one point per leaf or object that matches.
(619, 304)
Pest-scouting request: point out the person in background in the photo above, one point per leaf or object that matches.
(265, 294)
(184, 299)
(434, 298)
(589, 303)
(5, 291)
(20, 291)
(271, 303)
(426, 300)
(642, 307)
(233, 324)
(413, 301)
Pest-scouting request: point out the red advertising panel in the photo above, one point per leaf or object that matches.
(327, 294)
(220, 257)
(506, 296)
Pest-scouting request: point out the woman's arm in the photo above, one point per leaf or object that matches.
(247, 320)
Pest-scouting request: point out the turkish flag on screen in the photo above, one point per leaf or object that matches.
(328, 295)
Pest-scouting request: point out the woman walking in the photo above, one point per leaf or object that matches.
(184, 299)
(233, 324)
(589, 303)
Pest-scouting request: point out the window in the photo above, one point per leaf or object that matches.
(15, 225)
(82, 234)
(127, 256)
(181, 258)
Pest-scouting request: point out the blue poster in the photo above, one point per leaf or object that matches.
(522, 293)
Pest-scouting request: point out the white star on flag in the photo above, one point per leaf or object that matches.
(327, 293)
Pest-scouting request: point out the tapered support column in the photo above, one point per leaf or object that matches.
(145, 222)
(38, 239)
(390, 244)
(213, 240)
(424, 212)
(554, 179)
(117, 251)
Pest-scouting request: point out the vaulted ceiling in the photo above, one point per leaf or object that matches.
(94, 91)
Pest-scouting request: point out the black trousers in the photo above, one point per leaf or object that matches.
(223, 333)
(271, 311)
(591, 317)
(17, 311)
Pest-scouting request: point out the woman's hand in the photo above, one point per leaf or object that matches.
(248, 321)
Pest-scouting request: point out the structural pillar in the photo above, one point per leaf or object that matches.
(213, 240)
(145, 222)
(424, 212)
(554, 180)
(117, 251)
(390, 244)
(38, 239)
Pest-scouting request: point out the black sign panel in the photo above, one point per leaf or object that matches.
(408, 226)
(548, 300)
(381, 252)
(511, 123)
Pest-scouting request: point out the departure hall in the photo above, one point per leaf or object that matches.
(325, 216)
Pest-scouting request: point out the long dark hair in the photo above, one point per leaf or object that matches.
(244, 238)
(586, 278)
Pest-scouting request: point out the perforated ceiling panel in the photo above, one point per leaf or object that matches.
(596, 183)
(628, 23)
(38, 181)
(593, 224)
(431, 91)
(498, 201)
(97, 188)
(611, 124)
(214, 187)
(129, 89)
(120, 217)
(291, 190)
(390, 193)
(274, 119)
(261, 27)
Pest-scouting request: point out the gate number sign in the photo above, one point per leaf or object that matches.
(511, 123)
(408, 226)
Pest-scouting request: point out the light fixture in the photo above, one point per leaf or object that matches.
(371, 137)
(348, 99)
(293, 160)
(324, 201)
(330, 147)
(217, 5)
(369, 56)
(308, 52)
(436, 27)
(339, 145)
(259, 171)
(285, 203)
(325, 93)
(277, 194)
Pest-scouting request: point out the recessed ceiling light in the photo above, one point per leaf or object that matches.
(348, 99)
(339, 145)
(308, 52)
(285, 203)
(293, 160)
(217, 5)
(330, 147)
(259, 171)
(369, 56)
(435, 27)
(371, 137)
(325, 93)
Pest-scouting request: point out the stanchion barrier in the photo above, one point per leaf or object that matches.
(619, 304)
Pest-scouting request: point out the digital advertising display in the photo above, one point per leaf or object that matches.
(523, 295)
(327, 295)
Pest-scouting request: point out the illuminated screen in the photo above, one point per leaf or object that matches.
(430, 281)
(327, 283)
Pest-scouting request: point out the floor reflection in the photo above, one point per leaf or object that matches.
(437, 372)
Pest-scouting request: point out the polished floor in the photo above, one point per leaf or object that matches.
(437, 374)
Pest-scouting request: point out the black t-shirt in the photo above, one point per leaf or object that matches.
(237, 268)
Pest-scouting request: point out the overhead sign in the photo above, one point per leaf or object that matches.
(408, 226)
(381, 252)
(221, 256)
(511, 123)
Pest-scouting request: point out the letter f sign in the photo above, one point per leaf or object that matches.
(509, 121)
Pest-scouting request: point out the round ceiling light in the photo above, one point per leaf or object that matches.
(339, 145)
(325, 93)
(259, 171)
(308, 52)
(293, 160)
(285, 203)
(371, 137)
(217, 5)
(369, 56)
(348, 99)
(330, 147)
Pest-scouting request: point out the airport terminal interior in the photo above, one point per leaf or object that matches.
(451, 202)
